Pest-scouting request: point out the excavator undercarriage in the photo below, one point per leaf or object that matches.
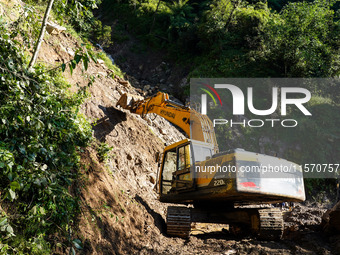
(265, 223)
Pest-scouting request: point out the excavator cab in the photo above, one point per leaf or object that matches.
(190, 172)
(176, 174)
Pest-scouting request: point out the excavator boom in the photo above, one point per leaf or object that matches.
(196, 126)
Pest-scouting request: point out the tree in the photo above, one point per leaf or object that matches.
(41, 35)
(304, 41)
(154, 17)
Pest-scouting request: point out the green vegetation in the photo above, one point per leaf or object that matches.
(41, 134)
(232, 38)
(103, 150)
(80, 15)
(77, 15)
(108, 63)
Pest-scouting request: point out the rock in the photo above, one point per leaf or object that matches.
(70, 52)
(139, 91)
(116, 94)
(62, 48)
(147, 87)
(229, 252)
(138, 162)
(102, 74)
(134, 81)
(162, 131)
(331, 220)
(152, 178)
(123, 82)
(183, 82)
(53, 28)
(100, 61)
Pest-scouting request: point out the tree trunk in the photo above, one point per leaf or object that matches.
(41, 35)
(154, 17)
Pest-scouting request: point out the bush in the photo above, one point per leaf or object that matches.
(104, 150)
(101, 35)
(41, 132)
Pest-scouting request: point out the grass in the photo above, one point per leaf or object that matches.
(102, 55)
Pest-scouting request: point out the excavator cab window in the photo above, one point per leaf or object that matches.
(176, 174)
(183, 157)
(169, 166)
(182, 178)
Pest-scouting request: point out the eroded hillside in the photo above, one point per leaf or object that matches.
(120, 210)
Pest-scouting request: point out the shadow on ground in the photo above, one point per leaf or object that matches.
(158, 219)
(106, 125)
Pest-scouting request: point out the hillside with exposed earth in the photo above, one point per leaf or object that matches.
(119, 210)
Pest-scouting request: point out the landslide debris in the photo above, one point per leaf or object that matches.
(120, 210)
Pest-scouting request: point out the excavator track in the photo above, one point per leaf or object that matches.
(178, 221)
(271, 224)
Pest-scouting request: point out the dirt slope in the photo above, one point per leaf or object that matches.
(120, 210)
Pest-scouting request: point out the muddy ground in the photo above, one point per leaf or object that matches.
(120, 210)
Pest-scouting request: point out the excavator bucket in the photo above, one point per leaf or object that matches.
(128, 101)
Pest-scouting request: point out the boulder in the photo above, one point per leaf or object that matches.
(331, 220)
(53, 28)
(152, 178)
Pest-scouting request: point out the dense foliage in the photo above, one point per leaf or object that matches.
(234, 38)
(80, 15)
(41, 133)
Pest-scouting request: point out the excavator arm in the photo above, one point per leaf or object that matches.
(196, 126)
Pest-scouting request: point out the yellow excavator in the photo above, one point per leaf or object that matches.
(217, 187)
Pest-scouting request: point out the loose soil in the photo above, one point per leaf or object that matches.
(120, 210)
